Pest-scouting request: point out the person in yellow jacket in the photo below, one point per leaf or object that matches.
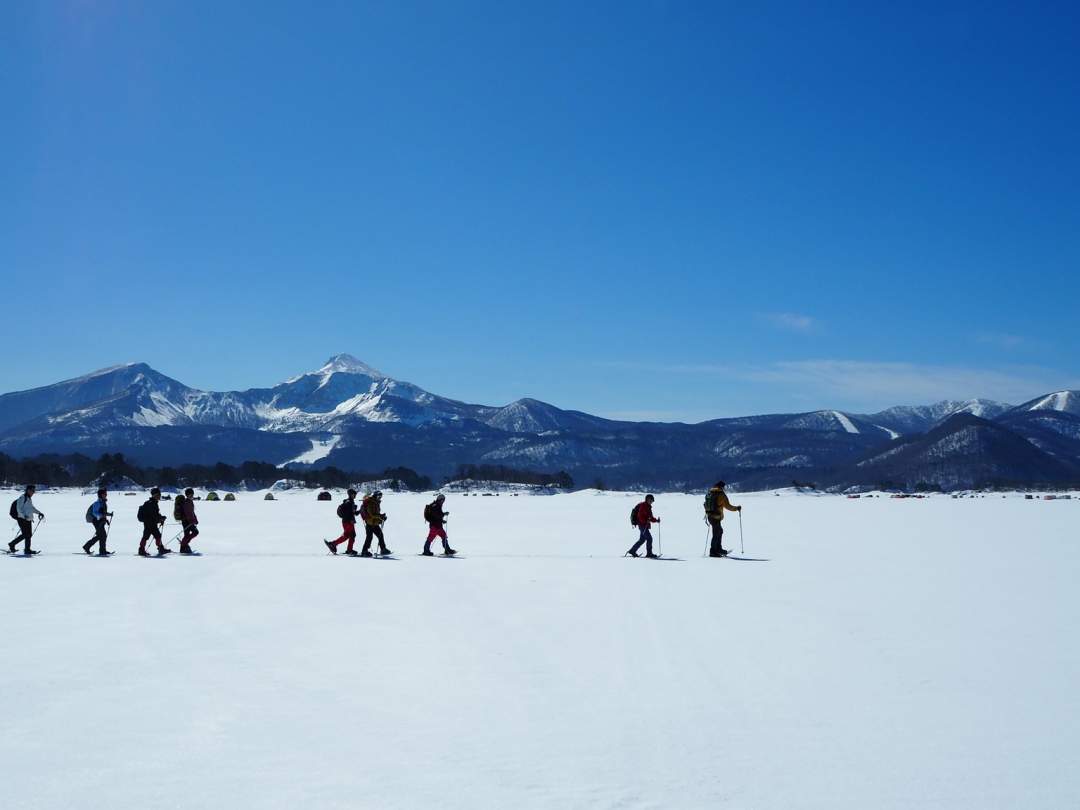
(715, 504)
(372, 514)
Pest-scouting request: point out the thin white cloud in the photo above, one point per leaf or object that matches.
(792, 321)
(871, 385)
(885, 383)
(1004, 340)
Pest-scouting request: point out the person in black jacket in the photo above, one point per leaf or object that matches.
(347, 510)
(436, 520)
(151, 518)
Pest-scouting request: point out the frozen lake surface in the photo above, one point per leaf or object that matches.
(873, 653)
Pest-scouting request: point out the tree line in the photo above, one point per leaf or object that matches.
(509, 475)
(77, 470)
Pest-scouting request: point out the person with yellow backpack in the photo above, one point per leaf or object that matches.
(716, 501)
(373, 516)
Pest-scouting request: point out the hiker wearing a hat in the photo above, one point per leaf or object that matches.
(347, 511)
(372, 514)
(436, 520)
(715, 504)
(643, 520)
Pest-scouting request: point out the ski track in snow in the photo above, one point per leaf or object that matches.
(846, 423)
(888, 654)
(320, 449)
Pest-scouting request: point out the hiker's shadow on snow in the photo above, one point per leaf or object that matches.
(747, 559)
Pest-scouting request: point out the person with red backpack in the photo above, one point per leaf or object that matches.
(436, 520)
(347, 510)
(642, 517)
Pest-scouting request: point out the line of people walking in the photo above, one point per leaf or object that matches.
(716, 502)
(369, 511)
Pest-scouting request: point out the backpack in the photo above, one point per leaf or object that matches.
(90, 512)
(711, 501)
(143, 514)
(178, 508)
(365, 509)
(429, 513)
(633, 515)
(344, 510)
(14, 511)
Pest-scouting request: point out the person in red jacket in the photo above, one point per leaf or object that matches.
(645, 519)
(188, 520)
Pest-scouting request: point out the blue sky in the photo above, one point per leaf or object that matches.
(657, 210)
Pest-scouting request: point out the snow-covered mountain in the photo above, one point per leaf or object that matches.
(905, 419)
(351, 415)
(1060, 401)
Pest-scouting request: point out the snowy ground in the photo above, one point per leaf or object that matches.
(874, 654)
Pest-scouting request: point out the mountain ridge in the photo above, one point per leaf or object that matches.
(348, 412)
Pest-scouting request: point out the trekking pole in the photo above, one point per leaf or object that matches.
(742, 550)
(659, 544)
(708, 532)
(175, 537)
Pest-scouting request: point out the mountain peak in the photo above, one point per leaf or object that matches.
(347, 364)
(1065, 401)
(341, 364)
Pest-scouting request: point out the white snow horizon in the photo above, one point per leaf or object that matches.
(864, 653)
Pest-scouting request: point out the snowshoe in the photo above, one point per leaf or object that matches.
(630, 553)
(351, 552)
(161, 552)
(449, 552)
(365, 554)
(427, 553)
(186, 550)
(385, 552)
(652, 556)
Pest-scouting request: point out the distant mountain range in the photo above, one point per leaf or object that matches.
(349, 415)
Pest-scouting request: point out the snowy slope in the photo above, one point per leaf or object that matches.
(1061, 401)
(905, 419)
(840, 672)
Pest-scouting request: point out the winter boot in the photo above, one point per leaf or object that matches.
(364, 553)
(449, 552)
(351, 552)
(385, 552)
(162, 551)
(86, 546)
(331, 546)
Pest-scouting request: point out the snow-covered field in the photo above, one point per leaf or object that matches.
(872, 654)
